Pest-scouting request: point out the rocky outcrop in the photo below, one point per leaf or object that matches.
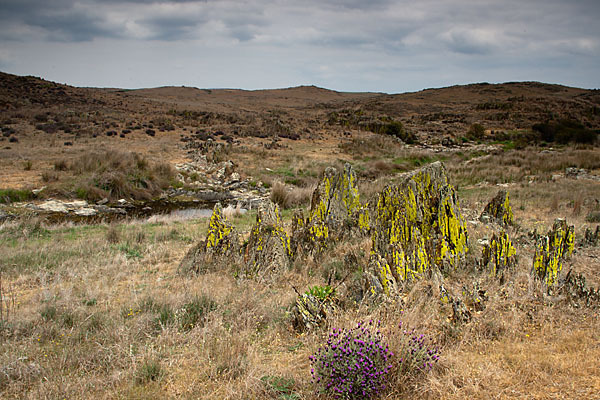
(591, 237)
(310, 311)
(335, 208)
(299, 238)
(268, 248)
(552, 250)
(575, 287)
(378, 278)
(415, 225)
(498, 210)
(500, 253)
(221, 243)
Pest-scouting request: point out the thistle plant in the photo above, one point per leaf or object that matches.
(353, 363)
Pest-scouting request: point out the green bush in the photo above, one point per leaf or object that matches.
(565, 131)
(476, 132)
(321, 292)
(15, 195)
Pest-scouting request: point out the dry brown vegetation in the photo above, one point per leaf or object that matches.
(101, 311)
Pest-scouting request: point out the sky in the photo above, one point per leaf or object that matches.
(390, 46)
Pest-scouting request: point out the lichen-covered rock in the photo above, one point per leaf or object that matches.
(298, 239)
(268, 248)
(591, 237)
(475, 298)
(378, 278)
(310, 311)
(460, 312)
(500, 253)
(334, 203)
(221, 242)
(499, 210)
(552, 250)
(417, 223)
(576, 288)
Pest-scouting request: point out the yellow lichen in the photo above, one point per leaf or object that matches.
(552, 250)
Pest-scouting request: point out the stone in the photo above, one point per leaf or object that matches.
(417, 224)
(552, 250)
(268, 249)
(310, 312)
(576, 289)
(475, 298)
(298, 239)
(335, 205)
(379, 279)
(499, 210)
(53, 206)
(38, 191)
(500, 253)
(460, 312)
(222, 243)
(591, 237)
(574, 173)
(86, 212)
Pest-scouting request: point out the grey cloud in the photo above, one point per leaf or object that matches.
(341, 40)
(170, 28)
(468, 42)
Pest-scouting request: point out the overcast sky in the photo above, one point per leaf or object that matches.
(348, 45)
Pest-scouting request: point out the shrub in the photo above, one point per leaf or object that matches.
(356, 363)
(415, 353)
(115, 175)
(60, 165)
(279, 194)
(321, 292)
(593, 217)
(49, 176)
(565, 131)
(476, 131)
(353, 363)
(112, 235)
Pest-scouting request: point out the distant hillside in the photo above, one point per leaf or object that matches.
(301, 96)
(429, 113)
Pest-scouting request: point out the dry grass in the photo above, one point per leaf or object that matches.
(99, 309)
(293, 197)
(522, 165)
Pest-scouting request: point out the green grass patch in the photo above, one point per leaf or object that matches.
(8, 196)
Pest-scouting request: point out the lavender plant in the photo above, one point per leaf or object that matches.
(416, 354)
(353, 363)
